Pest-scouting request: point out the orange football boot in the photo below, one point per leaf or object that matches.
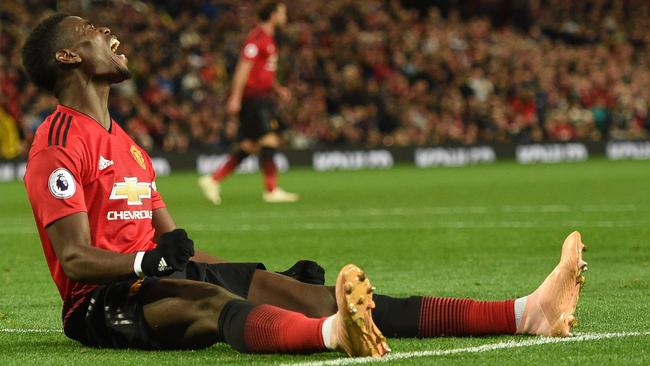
(353, 331)
(550, 310)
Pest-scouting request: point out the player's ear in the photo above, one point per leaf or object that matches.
(67, 56)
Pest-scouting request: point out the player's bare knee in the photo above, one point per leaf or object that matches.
(205, 311)
(213, 302)
(199, 302)
(271, 140)
(250, 147)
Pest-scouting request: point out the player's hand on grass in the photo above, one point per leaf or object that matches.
(173, 252)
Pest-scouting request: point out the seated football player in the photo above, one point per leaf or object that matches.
(96, 243)
(110, 243)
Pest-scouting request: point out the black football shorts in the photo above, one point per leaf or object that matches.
(112, 317)
(258, 117)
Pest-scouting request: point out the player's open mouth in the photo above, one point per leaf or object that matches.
(115, 44)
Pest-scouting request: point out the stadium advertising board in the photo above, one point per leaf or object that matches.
(352, 160)
(618, 150)
(453, 156)
(356, 159)
(551, 153)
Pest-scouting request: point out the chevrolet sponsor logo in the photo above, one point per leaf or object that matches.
(129, 215)
(131, 190)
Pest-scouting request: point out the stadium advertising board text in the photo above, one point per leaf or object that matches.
(356, 159)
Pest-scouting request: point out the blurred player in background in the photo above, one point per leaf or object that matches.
(252, 98)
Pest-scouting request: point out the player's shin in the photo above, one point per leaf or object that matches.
(269, 329)
(425, 317)
(234, 159)
(269, 169)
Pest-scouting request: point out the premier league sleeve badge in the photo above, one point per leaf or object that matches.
(61, 183)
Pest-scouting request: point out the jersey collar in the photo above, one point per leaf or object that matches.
(84, 116)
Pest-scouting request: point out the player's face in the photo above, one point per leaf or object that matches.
(280, 15)
(97, 50)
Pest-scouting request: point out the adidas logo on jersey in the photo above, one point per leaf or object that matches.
(104, 163)
(162, 265)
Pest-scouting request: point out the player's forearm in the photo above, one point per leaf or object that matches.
(81, 262)
(239, 79)
(88, 264)
(237, 90)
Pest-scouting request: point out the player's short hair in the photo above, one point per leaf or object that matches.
(266, 8)
(39, 49)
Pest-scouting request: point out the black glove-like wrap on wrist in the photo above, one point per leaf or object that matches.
(172, 254)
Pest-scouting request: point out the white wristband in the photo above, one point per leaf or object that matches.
(137, 264)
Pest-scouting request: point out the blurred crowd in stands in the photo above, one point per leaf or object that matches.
(364, 73)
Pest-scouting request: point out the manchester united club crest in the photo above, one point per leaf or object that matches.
(137, 156)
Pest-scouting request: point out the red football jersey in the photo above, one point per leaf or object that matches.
(260, 48)
(76, 165)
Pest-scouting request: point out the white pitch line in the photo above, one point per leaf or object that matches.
(12, 330)
(421, 354)
(477, 349)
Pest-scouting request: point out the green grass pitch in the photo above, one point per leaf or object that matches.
(488, 232)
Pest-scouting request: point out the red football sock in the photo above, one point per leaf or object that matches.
(227, 168)
(463, 317)
(270, 171)
(270, 329)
